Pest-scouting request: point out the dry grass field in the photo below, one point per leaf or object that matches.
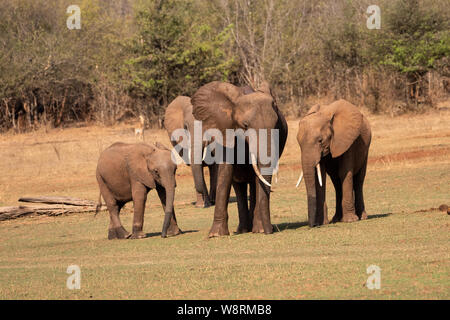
(406, 236)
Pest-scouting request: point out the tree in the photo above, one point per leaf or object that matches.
(174, 53)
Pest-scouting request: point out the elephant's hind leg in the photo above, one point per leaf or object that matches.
(115, 229)
(358, 182)
(338, 189)
(212, 183)
(348, 199)
(245, 223)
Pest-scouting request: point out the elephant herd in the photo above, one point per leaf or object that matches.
(333, 139)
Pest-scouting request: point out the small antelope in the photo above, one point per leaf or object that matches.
(139, 131)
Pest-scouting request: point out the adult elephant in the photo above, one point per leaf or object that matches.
(221, 106)
(178, 115)
(334, 139)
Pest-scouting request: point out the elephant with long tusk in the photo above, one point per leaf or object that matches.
(179, 115)
(257, 172)
(221, 106)
(334, 140)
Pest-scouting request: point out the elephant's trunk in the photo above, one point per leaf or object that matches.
(199, 182)
(315, 189)
(309, 176)
(170, 195)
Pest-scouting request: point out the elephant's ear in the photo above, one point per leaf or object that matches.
(301, 130)
(265, 88)
(173, 117)
(315, 108)
(213, 104)
(138, 169)
(346, 121)
(161, 146)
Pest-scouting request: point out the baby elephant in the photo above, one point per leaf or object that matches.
(127, 172)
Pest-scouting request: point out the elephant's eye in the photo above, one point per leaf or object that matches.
(320, 140)
(156, 171)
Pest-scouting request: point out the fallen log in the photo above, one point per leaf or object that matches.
(59, 200)
(50, 206)
(7, 213)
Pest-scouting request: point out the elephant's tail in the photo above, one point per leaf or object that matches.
(99, 204)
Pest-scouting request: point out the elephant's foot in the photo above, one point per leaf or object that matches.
(258, 227)
(243, 229)
(219, 229)
(203, 204)
(118, 233)
(173, 231)
(363, 216)
(199, 204)
(349, 217)
(268, 229)
(138, 235)
(337, 218)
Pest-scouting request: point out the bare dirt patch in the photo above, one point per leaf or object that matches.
(410, 155)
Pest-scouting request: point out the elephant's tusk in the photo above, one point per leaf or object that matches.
(299, 179)
(255, 167)
(275, 173)
(204, 153)
(319, 174)
(176, 157)
(189, 155)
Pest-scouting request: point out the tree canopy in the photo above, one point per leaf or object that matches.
(132, 57)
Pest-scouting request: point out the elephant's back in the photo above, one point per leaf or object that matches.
(112, 159)
(174, 115)
(111, 168)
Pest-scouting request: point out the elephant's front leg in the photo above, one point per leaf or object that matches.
(261, 217)
(358, 182)
(224, 180)
(139, 193)
(173, 229)
(348, 199)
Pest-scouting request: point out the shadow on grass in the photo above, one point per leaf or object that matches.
(156, 234)
(380, 215)
(231, 200)
(280, 227)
